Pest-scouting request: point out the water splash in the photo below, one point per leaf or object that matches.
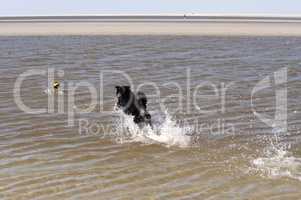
(167, 132)
(278, 162)
(50, 91)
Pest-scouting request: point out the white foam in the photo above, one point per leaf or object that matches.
(50, 91)
(166, 132)
(278, 162)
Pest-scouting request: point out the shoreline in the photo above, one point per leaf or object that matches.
(189, 28)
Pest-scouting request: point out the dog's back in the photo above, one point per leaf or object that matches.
(142, 100)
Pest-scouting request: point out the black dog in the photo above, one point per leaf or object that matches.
(132, 104)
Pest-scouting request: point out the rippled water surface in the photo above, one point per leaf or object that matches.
(209, 143)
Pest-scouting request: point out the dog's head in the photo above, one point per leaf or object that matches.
(124, 97)
(122, 91)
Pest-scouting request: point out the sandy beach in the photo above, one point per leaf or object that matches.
(150, 28)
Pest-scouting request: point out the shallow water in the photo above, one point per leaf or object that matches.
(214, 149)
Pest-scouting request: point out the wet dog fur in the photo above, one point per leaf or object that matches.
(133, 104)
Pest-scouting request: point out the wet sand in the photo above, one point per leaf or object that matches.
(36, 28)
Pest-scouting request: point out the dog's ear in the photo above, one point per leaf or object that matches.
(118, 89)
(123, 89)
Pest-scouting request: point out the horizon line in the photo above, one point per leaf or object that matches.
(189, 14)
